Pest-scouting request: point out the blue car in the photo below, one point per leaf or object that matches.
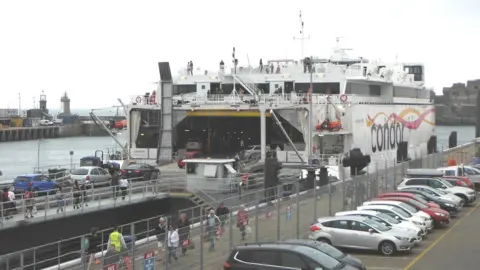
(38, 183)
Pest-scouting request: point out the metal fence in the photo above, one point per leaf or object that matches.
(276, 214)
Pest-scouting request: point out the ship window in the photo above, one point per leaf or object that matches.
(405, 92)
(203, 87)
(184, 89)
(363, 89)
(319, 88)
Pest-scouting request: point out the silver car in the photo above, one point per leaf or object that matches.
(437, 193)
(90, 174)
(386, 220)
(361, 233)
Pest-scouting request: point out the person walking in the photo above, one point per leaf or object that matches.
(223, 214)
(114, 182)
(123, 183)
(242, 220)
(160, 232)
(60, 198)
(90, 246)
(116, 240)
(77, 195)
(184, 233)
(172, 243)
(213, 222)
(29, 203)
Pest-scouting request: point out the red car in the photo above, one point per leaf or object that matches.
(188, 155)
(439, 216)
(411, 196)
(462, 181)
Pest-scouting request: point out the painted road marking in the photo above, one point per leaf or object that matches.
(380, 257)
(432, 245)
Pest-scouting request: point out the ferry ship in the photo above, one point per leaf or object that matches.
(355, 103)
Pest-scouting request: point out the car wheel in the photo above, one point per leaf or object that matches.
(324, 240)
(387, 248)
(464, 198)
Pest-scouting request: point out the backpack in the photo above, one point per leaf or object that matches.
(86, 244)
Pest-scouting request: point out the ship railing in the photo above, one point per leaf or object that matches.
(46, 203)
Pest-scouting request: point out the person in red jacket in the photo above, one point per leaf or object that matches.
(242, 220)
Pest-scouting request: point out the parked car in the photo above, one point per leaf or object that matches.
(444, 204)
(266, 256)
(38, 183)
(387, 221)
(439, 216)
(409, 195)
(399, 215)
(140, 172)
(447, 172)
(90, 174)
(467, 194)
(188, 155)
(330, 251)
(462, 181)
(361, 233)
(405, 207)
(436, 192)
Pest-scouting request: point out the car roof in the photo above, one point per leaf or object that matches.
(425, 172)
(387, 201)
(272, 245)
(401, 194)
(30, 175)
(397, 199)
(353, 212)
(416, 186)
(353, 218)
(378, 206)
(88, 167)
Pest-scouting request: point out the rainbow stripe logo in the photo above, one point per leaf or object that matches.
(400, 118)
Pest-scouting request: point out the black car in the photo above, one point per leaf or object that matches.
(267, 256)
(141, 172)
(330, 251)
(444, 204)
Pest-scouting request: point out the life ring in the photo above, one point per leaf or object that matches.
(138, 99)
(343, 98)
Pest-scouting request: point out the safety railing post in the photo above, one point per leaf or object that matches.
(257, 213)
(330, 198)
(314, 199)
(297, 207)
(59, 252)
(279, 192)
(21, 261)
(201, 238)
(230, 230)
(133, 238)
(34, 258)
(82, 251)
(45, 206)
(2, 218)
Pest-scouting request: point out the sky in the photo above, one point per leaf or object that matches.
(102, 50)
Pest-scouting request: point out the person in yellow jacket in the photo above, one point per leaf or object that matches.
(116, 240)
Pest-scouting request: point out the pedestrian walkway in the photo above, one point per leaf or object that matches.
(286, 220)
(98, 198)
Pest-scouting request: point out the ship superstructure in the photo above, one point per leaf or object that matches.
(355, 104)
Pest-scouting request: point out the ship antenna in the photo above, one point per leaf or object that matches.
(302, 36)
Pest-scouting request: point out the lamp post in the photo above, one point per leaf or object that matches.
(71, 161)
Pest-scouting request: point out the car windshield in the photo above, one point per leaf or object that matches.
(420, 198)
(377, 225)
(446, 183)
(133, 167)
(329, 250)
(408, 207)
(388, 218)
(22, 179)
(401, 212)
(417, 204)
(80, 172)
(441, 192)
(327, 261)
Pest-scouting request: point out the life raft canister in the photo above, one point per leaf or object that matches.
(138, 99)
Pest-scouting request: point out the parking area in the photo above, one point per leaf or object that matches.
(454, 246)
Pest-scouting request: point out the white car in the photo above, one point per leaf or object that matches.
(386, 220)
(398, 214)
(407, 208)
(437, 193)
(467, 194)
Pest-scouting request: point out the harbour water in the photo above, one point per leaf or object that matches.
(21, 157)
